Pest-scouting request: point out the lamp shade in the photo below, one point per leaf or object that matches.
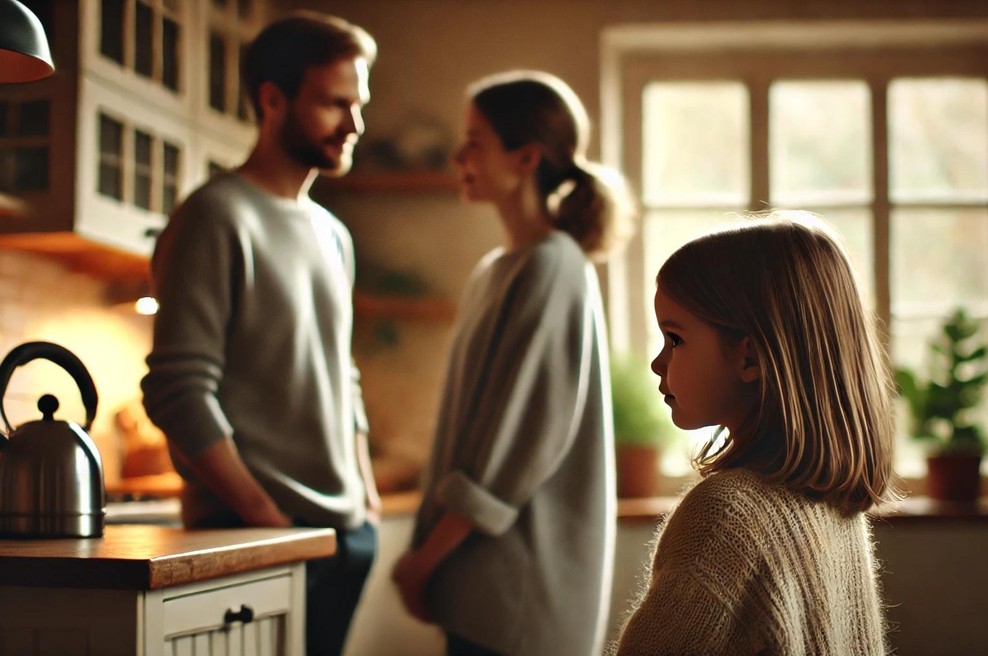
(24, 54)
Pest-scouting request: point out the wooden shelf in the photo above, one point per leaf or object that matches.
(419, 308)
(80, 254)
(393, 182)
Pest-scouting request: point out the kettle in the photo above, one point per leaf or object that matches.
(51, 474)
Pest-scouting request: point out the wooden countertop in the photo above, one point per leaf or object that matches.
(136, 557)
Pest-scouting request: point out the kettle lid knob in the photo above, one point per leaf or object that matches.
(48, 404)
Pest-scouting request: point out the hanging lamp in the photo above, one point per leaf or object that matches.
(24, 53)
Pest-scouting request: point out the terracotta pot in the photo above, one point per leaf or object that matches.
(637, 470)
(953, 477)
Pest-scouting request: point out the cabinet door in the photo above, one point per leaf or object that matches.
(238, 618)
(68, 622)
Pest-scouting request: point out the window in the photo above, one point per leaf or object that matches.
(232, 24)
(25, 133)
(143, 143)
(169, 182)
(888, 142)
(110, 180)
(151, 164)
(143, 36)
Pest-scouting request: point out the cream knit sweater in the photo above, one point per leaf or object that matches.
(743, 567)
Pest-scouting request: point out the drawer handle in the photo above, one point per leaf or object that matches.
(245, 615)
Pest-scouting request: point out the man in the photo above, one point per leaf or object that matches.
(250, 374)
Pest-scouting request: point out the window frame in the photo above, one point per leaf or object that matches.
(233, 30)
(161, 181)
(160, 11)
(757, 53)
(13, 142)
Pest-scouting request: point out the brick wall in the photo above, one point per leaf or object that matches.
(41, 300)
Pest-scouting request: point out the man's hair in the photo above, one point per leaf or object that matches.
(825, 421)
(285, 49)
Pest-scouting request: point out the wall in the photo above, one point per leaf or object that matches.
(429, 50)
(41, 300)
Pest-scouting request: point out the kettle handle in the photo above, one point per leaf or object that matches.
(60, 356)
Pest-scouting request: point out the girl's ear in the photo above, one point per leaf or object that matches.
(751, 367)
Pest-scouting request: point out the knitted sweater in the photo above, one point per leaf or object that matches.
(523, 449)
(744, 567)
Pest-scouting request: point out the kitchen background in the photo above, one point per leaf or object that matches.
(121, 146)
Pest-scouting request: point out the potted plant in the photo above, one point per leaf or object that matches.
(641, 426)
(942, 405)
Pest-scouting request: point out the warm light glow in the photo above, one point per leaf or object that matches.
(146, 305)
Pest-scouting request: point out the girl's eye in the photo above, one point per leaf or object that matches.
(674, 339)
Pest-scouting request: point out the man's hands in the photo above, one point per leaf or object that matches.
(220, 467)
(266, 514)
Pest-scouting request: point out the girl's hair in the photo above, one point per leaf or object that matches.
(587, 200)
(825, 422)
(287, 48)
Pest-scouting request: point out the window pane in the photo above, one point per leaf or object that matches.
(170, 34)
(32, 169)
(855, 227)
(819, 142)
(142, 149)
(110, 181)
(217, 73)
(6, 169)
(33, 119)
(144, 41)
(142, 169)
(110, 136)
(938, 260)
(111, 36)
(171, 161)
(170, 179)
(938, 128)
(696, 143)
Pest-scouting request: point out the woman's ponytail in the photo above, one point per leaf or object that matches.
(595, 207)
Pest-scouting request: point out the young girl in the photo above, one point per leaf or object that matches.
(514, 539)
(765, 336)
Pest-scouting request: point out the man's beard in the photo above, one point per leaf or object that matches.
(312, 154)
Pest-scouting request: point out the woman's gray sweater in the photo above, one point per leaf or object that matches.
(524, 450)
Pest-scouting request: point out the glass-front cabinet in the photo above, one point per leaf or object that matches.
(96, 156)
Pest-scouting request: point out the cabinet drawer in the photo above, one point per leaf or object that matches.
(199, 611)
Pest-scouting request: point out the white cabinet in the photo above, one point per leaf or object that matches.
(260, 613)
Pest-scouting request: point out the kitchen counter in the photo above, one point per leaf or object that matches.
(137, 557)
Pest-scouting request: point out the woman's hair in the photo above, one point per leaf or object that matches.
(587, 200)
(825, 422)
(287, 48)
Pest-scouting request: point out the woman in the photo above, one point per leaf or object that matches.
(514, 539)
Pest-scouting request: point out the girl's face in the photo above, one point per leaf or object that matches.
(488, 172)
(706, 380)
